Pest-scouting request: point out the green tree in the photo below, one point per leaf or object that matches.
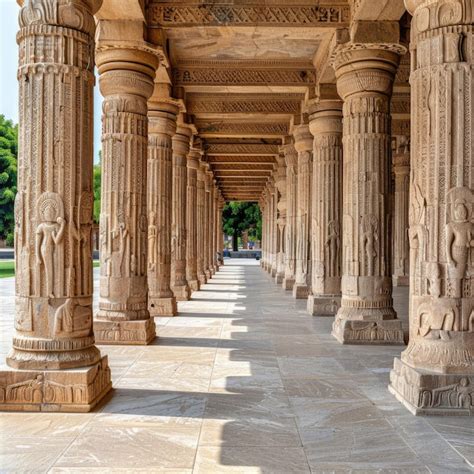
(8, 177)
(97, 180)
(239, 217)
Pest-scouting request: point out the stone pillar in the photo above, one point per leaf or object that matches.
(281, 220)
(53, 217)
(216, 229)
(201, 218)
(162, 115)
(436, 372)
(126, 69)
(179, 284)
(274, 229)
(191, 218)
(326, 209)
(207, 219)
(291, 160)
(220, 230)
(213, 260)
(304, 147)
(365, 76)
(401, 247)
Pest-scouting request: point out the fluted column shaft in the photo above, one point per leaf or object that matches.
(281, 220)
(53, 215)
(191, 220)
(326, 209)
(364, 79)
(304, 147)
(291, 160)
(401, 247)
(179, 284)
(126, 82)
(162, 117)
(273, 229)
(207, 218)
(436, 372)
(201, 219)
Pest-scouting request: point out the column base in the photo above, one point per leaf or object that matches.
(202, 279)
(163, 306)
(428, 393)
(208, 274)
(273, 272)
(288, 284)
(181, 293)
(300, 292)
(72, 390)
(323, 305)
(279, 277)
(194, 285)
(398, 280)
(374, 330)
(140, 332)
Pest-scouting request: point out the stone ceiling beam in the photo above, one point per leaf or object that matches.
(193, 13)
(239, 160)
(241, 149)
(218, 129)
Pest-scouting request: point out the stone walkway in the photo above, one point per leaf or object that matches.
(244, 380)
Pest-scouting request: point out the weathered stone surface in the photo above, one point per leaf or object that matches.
(436, 371)
(126, 72)
(304, 147)
(325, 124)
(181, 142)
(365, 74)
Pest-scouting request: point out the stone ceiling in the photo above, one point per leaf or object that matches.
(244, 69)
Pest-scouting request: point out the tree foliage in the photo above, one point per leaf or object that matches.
(239, 217)
(8, 177)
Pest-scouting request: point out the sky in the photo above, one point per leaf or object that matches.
(8, 69)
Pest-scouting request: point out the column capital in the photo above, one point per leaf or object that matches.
(126, 68)
(366, 67)
(401, 163)
(432, 14)
(303, 138)
(181, 140)
(325, 117)
(291, 155)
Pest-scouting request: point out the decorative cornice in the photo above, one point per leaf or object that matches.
(224, 74)
(241, 149)
(242, 129)
(263, 104)
(217, 14)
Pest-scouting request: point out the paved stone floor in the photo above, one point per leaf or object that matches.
(244, 380)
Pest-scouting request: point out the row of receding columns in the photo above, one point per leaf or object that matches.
(344, 263)
(160, 207)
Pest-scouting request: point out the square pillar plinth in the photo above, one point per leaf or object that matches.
(194, 285)
(401, 280)
(323, 305)
(181, 293)
(288, 284)
(350, 331)
(429, 393)
(279, 277)
(140, 332)
(162, 307)
(300, 292)
(72, 390)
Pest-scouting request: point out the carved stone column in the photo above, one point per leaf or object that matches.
(401, 247)
(201, 218)
(436, 372)
(281, 220)
(127, 69)
(53, 216)
(191, 218)
(274, 229)
(179, 284)
(212, 240)
(304, 147)
(162, 115)
(291, 160)
(220, 230)
(216, 228)
(326, 210)
(207, 218)
(365, 76)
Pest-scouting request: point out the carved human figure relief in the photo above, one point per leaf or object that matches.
(49, 241)
(152, 236)
(332, 247)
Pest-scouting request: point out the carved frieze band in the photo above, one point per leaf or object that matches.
(223, 128)
(171, 14)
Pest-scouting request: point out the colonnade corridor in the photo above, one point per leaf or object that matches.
(243, 380)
